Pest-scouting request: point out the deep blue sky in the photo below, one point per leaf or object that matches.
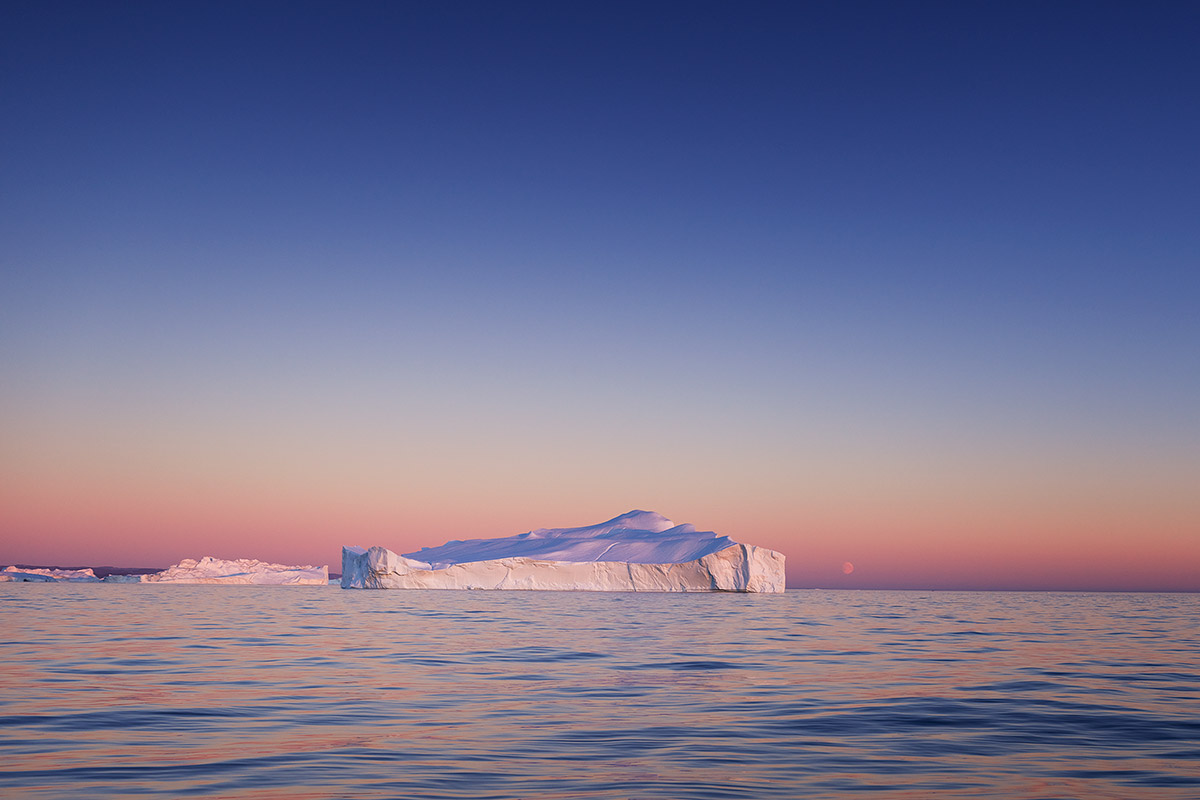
(791, 242)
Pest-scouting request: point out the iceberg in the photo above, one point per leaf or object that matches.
(238, 571)
(640, 551)
(16, 574)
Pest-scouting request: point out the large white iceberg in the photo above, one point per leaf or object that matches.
(238, 571)
(47, 575)
(636, 552)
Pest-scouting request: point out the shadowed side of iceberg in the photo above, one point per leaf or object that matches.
(737, 568)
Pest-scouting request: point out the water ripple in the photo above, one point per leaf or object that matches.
(135, 690)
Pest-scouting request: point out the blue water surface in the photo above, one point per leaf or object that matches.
(311, 692)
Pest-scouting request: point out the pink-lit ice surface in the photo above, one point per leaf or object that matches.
(639, 551)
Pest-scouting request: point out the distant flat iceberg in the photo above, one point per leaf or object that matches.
(47, 575)
(236, 571)
(640, 551)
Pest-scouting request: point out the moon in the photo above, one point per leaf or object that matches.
(847, 568)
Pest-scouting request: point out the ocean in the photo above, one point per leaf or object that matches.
(149, 690)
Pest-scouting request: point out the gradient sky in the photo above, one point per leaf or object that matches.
(913, 286)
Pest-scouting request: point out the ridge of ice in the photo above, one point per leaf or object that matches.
(47, 575)
(235, 571)
(636, 551)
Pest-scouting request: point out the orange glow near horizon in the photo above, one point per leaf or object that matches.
(163, 524)
(152, 496)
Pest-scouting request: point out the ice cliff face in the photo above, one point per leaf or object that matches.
(636, 552)
(238, 571)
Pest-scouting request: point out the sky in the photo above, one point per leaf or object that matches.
(909, 286)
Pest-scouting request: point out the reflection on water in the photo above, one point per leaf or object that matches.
(305, 692)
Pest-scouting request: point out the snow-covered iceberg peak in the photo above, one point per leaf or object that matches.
(649, 521)
(636, 551)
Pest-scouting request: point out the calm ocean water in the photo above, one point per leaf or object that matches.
(313, 692)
